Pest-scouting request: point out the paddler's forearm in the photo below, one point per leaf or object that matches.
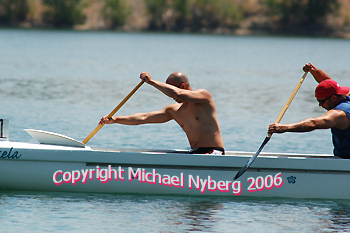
(134, 119)
(319, 75)
(167, 89)
(306, 125)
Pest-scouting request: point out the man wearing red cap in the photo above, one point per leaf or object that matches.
(336, 101)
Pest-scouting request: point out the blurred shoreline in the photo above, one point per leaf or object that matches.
(241, 17)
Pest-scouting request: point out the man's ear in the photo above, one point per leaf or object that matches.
(183, 86)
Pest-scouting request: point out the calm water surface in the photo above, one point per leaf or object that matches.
(63, 82)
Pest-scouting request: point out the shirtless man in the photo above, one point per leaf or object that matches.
(194, 112)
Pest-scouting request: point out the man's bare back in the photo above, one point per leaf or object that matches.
(195, 111)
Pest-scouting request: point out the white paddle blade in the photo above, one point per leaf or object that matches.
(45, 137)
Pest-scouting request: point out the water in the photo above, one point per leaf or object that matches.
(55, 212)
(63, 82)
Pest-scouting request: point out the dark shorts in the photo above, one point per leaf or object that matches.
(208, 150)
(343, 156)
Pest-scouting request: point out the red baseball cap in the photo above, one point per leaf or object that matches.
(328, 88)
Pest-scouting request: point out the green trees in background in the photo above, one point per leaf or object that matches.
(193, 15)
(296, 15)
(156, 9)
(13, 12)
(63, 13)
(207, 14)
(115, 13)
(281, 16)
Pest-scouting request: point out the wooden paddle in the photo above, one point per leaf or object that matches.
(113, 112)
(251, 160)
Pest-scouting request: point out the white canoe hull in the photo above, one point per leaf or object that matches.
(37, 167)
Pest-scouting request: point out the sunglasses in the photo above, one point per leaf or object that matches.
(324, 100)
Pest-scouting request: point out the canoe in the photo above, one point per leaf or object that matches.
(59, 168)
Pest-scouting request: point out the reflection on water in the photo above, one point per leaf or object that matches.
(201, 215)
(27, 212)
(341, 216)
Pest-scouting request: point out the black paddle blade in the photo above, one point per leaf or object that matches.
(251, 160)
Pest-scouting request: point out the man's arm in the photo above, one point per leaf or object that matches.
(333, 118)
(318, 74)
(178, 94)
(160, 116)
(182, 95)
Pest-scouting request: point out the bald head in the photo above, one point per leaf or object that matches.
(177, 79)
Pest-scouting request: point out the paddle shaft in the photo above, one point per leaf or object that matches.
(113, 112)
(291, 97)
(267, 139)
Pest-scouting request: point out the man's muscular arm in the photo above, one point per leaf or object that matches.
(160, 116)
(333, 118)
(178, 94)
(318, 74)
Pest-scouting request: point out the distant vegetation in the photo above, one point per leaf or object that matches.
(221, 16)
(115, 13)
(297, 15)
(195, 15)
(62, 14)
(12, 13)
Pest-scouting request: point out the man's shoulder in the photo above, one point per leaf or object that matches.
(344, 104)
(203, 91)
(174, 107)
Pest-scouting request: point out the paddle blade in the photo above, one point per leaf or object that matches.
(251, 160)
